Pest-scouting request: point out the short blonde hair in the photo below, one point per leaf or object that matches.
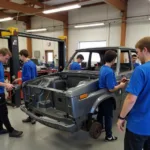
(5, 51)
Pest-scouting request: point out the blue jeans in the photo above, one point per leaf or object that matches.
(105, 114)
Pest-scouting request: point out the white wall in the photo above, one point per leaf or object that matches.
(21, 26)
(137, 27)
(42, 45)
(94, 14)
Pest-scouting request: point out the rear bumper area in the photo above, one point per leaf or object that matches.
(50, 122)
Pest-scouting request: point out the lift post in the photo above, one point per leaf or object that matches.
(12, 35)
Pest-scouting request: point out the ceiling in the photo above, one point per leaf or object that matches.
(22, 10)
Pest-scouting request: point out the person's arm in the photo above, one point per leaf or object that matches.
(3, 84)
(117, 87)
(111, 82)
(128, 105)
(8, 86)
(17, 80)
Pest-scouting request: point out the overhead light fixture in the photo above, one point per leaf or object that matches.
(6, 19)
(36, 30)
(89, 25)
(65, 8)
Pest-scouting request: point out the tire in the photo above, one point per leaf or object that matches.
(95, 130)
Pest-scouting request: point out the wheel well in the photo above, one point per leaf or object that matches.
(112, 98)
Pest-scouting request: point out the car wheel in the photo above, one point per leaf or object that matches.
(95, 130)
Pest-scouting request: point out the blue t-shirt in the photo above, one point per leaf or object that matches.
(75, 66)
(138, 120)
(29, 71)
(107, 78)
(135, 65)
(1, 77)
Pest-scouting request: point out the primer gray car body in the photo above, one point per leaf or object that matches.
(67, 100)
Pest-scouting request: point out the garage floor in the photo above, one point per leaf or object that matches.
(40, 137)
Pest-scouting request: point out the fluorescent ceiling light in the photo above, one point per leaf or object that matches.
(89, 25)
(36, 30)
(62, 9)
(6, 19)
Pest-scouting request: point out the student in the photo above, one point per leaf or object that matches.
(107, 80)
(29, 72)
(134, 58)
(5, 54)
(76, 65)
(137, 102)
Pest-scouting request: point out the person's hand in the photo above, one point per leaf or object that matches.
(15, 81)
(123, 79)
(9, 86)
(121, 124)
(122, 85)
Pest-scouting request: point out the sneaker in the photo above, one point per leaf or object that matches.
(15, 133)
(112, 138)
(26, 120)
(3, 131)
(33, 121)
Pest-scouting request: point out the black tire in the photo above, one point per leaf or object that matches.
(95, 130)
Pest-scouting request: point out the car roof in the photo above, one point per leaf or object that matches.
(105, 48)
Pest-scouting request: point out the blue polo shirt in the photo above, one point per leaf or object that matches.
(75, 66)
(1, 77)
(107, 78)
(138, 120)
(135, 65)
(29, 71)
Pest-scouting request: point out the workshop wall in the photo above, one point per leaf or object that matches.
(100, 13)
(138, 25)
(55, 29)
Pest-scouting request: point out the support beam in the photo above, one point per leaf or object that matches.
(45, 6)
(17, 18)
(29, 40)
(27, 10)
(123, 29)
(121, 5)
(66, 34)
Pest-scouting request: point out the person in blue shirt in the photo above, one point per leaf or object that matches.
(134, 58)
(136, 107)
(29, 72)
(76, 65)
(5, 54)
(107, 80)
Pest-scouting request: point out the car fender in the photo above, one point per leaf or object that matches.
(101, 99)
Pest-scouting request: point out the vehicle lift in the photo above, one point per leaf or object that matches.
(12, 34)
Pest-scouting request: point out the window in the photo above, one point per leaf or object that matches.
(95, 61)
(49, 55)
(125, 64)
(92, 44)
(84, 63)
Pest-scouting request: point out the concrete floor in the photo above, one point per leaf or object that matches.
(40, 137)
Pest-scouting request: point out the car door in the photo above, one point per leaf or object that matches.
(125, 70)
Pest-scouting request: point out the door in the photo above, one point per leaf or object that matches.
(49, 56)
